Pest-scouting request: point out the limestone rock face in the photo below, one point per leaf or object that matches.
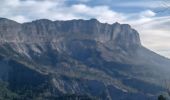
(46, 30)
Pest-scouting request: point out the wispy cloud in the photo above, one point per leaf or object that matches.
(27, 10)
(109, 15)
(141, 3)
(155, 34)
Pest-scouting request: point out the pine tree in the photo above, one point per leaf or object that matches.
(161, 97)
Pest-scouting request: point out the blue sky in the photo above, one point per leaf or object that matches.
(150, 17)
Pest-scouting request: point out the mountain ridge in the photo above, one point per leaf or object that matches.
(75, 23)
(83, 57)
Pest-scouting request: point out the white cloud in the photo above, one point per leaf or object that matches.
(19, 18)
(28, 10)
(155, 34)
(147, 13)
(108, 15)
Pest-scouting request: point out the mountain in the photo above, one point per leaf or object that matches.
(45, 60)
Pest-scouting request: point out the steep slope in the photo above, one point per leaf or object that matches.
(84, 57)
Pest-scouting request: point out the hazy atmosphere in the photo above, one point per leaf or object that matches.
(150, 17)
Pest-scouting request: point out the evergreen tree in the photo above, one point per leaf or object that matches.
(161, 97)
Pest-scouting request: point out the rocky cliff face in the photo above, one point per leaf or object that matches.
(48, 31)
(82, 57)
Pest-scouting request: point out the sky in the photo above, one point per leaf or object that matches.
(151, 18)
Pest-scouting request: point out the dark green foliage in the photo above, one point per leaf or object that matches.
(161, 97)
(74, 97)
(5, 93)
(28, 94)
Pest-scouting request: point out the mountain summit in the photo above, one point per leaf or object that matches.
(48, 59)
(91, 29)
